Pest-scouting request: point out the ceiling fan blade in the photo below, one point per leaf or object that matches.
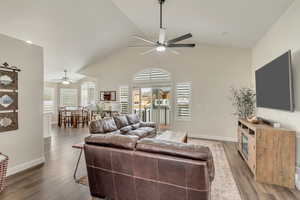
(55, 80)
(174, 52)
(140, 46)
(162, 35)
(181, 45)
(183, 37)
(143, 39)
(149, 51)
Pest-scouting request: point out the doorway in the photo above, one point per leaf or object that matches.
(153, 104)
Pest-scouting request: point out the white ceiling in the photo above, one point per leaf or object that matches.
(72, 32)
(75, 33)
(243, 21)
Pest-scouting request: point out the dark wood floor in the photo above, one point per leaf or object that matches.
(54, 180)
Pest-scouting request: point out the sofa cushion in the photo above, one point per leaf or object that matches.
(135, 126)
(148, 124)
(125, 129)
(109, 125)
(113, 140)
(121, 121)
(139, 132)
(133, 119)
(96, 127)
(147, 129)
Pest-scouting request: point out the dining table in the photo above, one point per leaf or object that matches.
(74, 117)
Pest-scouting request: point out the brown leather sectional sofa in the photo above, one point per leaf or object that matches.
(125, 125)
(126, 167)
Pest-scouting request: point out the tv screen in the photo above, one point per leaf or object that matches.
(274, 84)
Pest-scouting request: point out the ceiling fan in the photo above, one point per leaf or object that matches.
(162, 44)
(65, 80)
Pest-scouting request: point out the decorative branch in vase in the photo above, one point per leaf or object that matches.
(243, 99)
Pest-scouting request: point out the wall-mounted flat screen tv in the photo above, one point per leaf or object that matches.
(274, 87)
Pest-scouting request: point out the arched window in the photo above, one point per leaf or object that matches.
(153, 74)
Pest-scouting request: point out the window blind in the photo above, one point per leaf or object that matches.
(49, 100)
(152, 75)
(124, 99)
(88, 90)
(68, 97)
(183, 101)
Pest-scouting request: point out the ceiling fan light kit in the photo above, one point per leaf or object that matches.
(65, 82)
(65, 79)
(162, 44)
(161, 48)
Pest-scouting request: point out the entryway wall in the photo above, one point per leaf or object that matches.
(25, 146)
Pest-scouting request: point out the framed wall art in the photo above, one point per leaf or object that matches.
(8, 98)
(108, 95)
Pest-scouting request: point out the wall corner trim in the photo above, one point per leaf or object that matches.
(25, 166)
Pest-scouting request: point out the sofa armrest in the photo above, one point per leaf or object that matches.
(148, 124)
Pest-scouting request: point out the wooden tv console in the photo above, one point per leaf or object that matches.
(269, 152)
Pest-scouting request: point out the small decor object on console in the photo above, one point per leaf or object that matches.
(244, 101)
(3, 170)
(8, 97)
(253, 120)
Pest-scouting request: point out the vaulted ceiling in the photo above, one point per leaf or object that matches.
(72, 32)
(75, 33)
(238, 23)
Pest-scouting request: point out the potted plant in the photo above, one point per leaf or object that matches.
(243, 99)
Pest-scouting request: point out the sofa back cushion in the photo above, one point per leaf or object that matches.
(109, 125)
(96, 127)
(191, 151)
(113, 140)
(121, 121)
(183, 150)
(133, 119)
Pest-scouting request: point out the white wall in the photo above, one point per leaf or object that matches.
(25, 146)
(282, 36)
(212, 70)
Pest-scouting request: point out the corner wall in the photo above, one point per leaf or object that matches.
(25, 146)
(212, 70)
(282, 36)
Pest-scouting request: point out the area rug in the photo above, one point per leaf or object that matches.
(223, 186)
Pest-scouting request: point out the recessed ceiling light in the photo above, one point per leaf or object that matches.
(28, 42)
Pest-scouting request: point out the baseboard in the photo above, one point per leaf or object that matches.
(24, 166)
(214, 137)
(297, 178)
